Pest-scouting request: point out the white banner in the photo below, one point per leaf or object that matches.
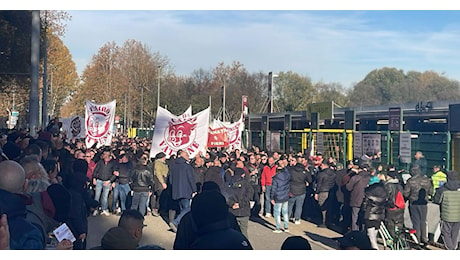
(234, 132)
(99, 120)
(185, 132)
(73, 127)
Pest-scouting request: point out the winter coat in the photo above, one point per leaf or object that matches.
(325, 180)
(220, 236)
(267, 175)
(417, 189)
(448, 197)
(254, 178)
(198, 174)
(214, 174)
(438, 179)
(280, 186)
(356, 186)
(299, 178)
(375, 202)
(142, 179)
(393, 186)
(23, 234)
(161, 171)
(182, 179)
(104, 171)
(238, 190)
(341, 190)
(125, 171)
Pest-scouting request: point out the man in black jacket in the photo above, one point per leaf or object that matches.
(142, 184)
(417, 189)
(102, 179)
(394, 216)
(121, 188)
(325, 181)
(300, 179)
(239, 194)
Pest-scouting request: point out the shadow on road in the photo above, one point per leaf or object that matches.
(322, 239)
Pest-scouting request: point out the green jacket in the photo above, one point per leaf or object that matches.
(448, 198)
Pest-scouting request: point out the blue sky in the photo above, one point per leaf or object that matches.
(333, 45)
(329, 46)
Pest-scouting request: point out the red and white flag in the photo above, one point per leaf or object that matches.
(99, 120)
(73, 127)
(234, 132)
(217, 137)
(184, 132)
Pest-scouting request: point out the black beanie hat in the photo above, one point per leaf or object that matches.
(208, 207)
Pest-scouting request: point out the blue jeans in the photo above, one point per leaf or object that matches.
(281, 207)
(298, 202)
(140, 202)
(120, 191)
(184, 205)
(100, 188)
(267, 202)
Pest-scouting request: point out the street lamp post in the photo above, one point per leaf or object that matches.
(270, 89)
(158, 97)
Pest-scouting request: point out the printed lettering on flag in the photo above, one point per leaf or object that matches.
(234, 132)
(217, 137)
(184, 132)
(99, 120)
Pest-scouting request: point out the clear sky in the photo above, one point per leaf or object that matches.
(341, 44)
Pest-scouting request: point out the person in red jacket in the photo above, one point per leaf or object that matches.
(266, 181)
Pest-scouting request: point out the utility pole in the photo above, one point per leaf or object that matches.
(34, 106)
(45, 76)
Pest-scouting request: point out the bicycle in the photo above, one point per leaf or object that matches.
(399, 242)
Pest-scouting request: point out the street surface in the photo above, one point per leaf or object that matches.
(260, 233)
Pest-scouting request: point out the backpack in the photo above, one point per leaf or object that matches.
(399, 200)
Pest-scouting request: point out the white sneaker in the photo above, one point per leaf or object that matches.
(105, 213)
(297, 222)
(95, 212)
(286, 230)
(268, 215)
(277, 231)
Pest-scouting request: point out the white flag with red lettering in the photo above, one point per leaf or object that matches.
(234, 132)
(185, 132)
(99, 120)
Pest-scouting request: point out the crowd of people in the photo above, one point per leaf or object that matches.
(46, 181)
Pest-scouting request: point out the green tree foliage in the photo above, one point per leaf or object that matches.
(392, 86)
(293, 92)
(63, 77)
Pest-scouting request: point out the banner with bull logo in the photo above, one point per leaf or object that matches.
(99, 120)
(73, 127)
(234, 132)
(184, 132)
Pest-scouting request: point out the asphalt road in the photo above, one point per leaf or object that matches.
(260, 233)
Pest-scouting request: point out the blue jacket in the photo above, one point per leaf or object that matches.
(23, 234)
(182, 180)
(280, 186)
